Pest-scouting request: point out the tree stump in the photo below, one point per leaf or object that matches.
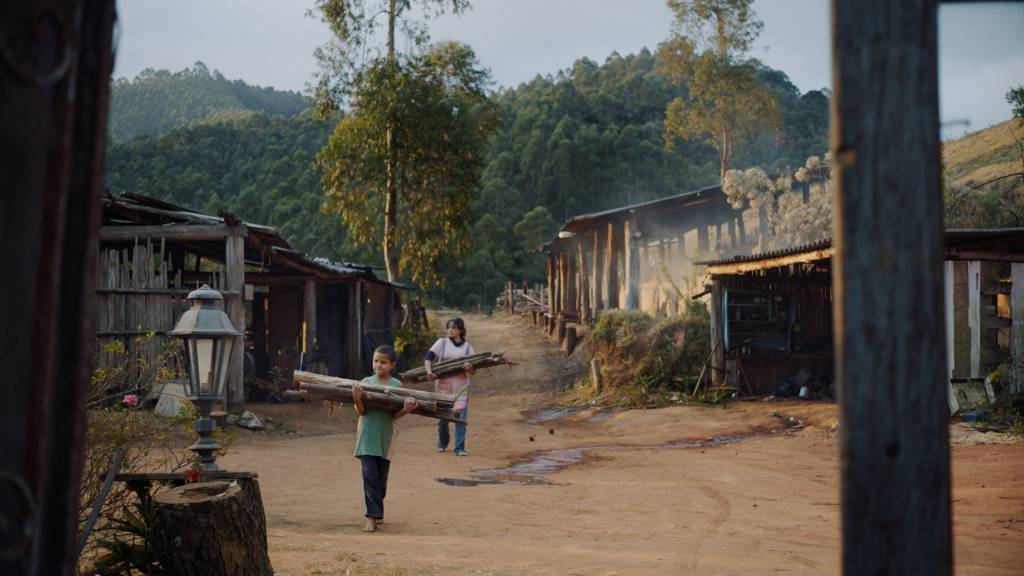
(212, 528)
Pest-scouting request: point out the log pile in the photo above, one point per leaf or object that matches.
(455, 366)
(524, 300)
(388, 398)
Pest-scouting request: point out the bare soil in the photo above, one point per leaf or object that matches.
(747, 489)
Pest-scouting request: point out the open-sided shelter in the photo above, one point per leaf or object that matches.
(639, 257)
(771, 313)
(293, 310)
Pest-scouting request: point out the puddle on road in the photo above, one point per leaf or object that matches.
(548, 414)
(532, 471)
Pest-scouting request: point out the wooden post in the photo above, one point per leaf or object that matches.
(1017, 327)
(597, 268)
(974, 315)
(742, 229)
(570, 340)
(894, 441)
(717, 338)
(595, 375)
(54, 87)
(632, 239)
(732, 234)
(948, 293)
(234, 306)
(611, 266)
(309, 316)
(702, 239)
(571, 286)
(359, 327)
(551, 288)
(584, 284)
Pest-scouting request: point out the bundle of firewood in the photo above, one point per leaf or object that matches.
(390, 398)
(456, 365)
(523, 300)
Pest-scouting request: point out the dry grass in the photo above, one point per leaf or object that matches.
(984, 155)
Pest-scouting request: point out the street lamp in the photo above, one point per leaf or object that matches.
(209, 338)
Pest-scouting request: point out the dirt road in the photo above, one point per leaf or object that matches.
(683, 490)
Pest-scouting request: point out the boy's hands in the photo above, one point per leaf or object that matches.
(469, 368)
(357, 392)
(408, 406)
(431, 375)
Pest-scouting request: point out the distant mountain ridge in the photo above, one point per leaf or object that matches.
(157, 101)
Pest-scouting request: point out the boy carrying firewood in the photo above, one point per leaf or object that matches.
(374, 436)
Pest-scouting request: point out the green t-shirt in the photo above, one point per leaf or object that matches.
(373, 434)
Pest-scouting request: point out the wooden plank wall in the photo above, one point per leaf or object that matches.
(137, 293)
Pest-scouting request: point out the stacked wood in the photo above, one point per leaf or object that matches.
(524, 300)
(389, 398)
(456, 366)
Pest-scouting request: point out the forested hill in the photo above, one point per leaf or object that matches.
(158, 100)
(587, 139)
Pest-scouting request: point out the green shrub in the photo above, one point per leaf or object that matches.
(643, 357)
(411, 343)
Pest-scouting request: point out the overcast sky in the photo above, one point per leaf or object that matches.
(271, 42)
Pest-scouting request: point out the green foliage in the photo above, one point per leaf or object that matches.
(143, 443)
(157, 101)
(259, 167)
(128, 551)
(1015, 97)
(727, 102)
(435, 106)
(642, 356)
(618, 330)
(411, 343)
(589, 138)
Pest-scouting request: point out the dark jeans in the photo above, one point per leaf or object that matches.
(460, 433)
(375, 484)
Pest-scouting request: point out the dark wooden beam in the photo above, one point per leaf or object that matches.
(54, 85)
(200, 232)
(980, 255)
(889, 325)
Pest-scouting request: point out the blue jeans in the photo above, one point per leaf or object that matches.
(460, 432)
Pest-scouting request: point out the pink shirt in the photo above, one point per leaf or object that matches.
(456, 384)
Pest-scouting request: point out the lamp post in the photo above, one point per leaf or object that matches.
(209, 338)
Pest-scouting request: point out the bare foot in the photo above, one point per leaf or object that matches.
(371, 525)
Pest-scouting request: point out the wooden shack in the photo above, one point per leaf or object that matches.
(292, 309)
(640, 257)
(772, 313)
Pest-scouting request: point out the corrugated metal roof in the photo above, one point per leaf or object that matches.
(954, 237)
(582, 222)
(269, 236)
(780, 253)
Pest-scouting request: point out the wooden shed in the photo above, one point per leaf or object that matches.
(293, 310)
(772, 313)
(640, 257)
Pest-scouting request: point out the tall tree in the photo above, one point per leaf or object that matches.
(421, 115)
(727, 102)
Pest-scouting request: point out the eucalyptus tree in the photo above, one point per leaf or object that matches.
(706, 52)
(405, 158)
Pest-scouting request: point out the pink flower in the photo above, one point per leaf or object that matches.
(130, 400)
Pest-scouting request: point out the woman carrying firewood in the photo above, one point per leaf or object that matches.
(450, 348)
